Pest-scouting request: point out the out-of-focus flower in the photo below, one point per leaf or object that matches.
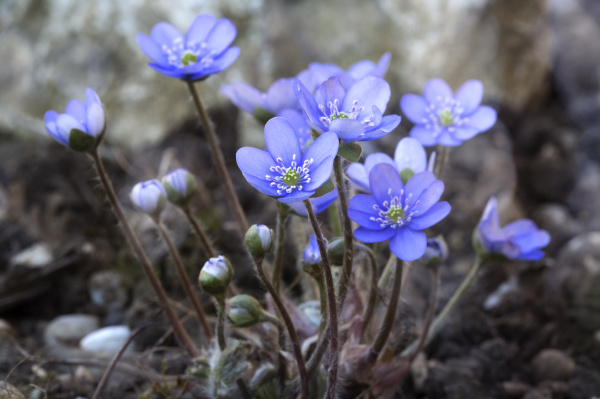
(81, 126)
(149, 197)
(203, 51)
(398, 212)
(409, 159)
(355, 115)
(520, 239)
(245, 311)
(215, 276)
(284, 171)
(180, 186)
(440, 117)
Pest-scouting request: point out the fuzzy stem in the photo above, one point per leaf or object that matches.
(282, 216)
(348, 238)
(141, 255)
(220, 300)
(331, 303)
(390, 315)
(185, 280)
(387, 272)
(323, 298)
(218, 159)
(291, 329)
(206, 244)
(373, 289)
(314, 359)
(441, 161)
(430, 314)
(334, 220)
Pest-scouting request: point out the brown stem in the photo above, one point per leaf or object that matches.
(289, 326)
(331, 303)
(185, 280)
(348, 238)
(206, 243)
(430, 314)
(220, 299)
(141, 255)
(373, 290)
(219, 160)
(282, 216)
(390, 315)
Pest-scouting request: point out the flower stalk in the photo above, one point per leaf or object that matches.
(199, 230)
(282, 216)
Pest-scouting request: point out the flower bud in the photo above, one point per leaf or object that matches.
(435, 253)
(244, 311)
(335, 250)
(311, 258)
(215, 276)
(180, 186)
(149, 197)
(259, 240)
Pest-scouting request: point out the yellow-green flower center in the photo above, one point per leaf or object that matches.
(189, 58)
(395, 212)
(340, 115)
(291, 177)
(446, 117)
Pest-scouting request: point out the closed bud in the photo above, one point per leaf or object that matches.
(311, 258)
(435, 253)
(149, 197)
(259, 240)
(335, 250)
(244, 311)
(215, 276)
(180, 186)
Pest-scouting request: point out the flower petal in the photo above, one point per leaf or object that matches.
(328, 92)
(430, 196)
(255, 162)
(220, 64)
(463, 133)
(165, 34)
(199, 29)
(532, 241)
(309, 105)
(385, 182)
(298, 121)
(410, 154)
(50, 121)
(447, 139)
(533, 255)
(358, 176)
(376, 158)
(221, 35)
(347, 129)
(415, 108)
(437, 90)
(151, 49)
(425, 136)
(433, 215)
(368, 236)
(417, 184)
(296, 196)
(482, 119)
(65, 123)
(281, 95)
(319, 173)
(76, 109)
(243, 96)
(261, 185)
(282, 142)
(95, 119)
(469, 95)
(323, 147)
(168, 71)
(408, 244)
(368, 92)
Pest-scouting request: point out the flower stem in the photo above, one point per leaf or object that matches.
(387, 272)
(331, 303)
(141, 255)
(334, 220)
(323, 298)
(373, 289)
(220, 300)
(282, 216)
(441, 162)
(206, 244)
(347, 224)
(185, 280)
(437, 322)
(430, 314)
(390, 315)
(218, 159)
(289, 326)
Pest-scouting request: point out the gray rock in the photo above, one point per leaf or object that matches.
(68, 330)
(107, 291)
(553, 365)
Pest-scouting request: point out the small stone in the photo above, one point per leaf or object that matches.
(552, 364)
(419, 371)
(68, 330)
(37, 255)
(107, 340)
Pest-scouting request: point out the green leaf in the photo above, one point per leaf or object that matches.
(350, 151)
(81, 141)
(262, 115)
(314, 134)
(327, 187)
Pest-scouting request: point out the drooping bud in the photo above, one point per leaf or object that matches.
(215, 276)
(335, 250)
(435, 253)
(311, 258)
(180, 186)
(149, 197)
(259, 240)
(244, 311)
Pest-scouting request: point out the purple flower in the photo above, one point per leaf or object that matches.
(311, 254)
(298, 121)
(180, 186)
(81, 126)
(284, 171)
(149, 197)
(520, 239)
(319, 204)
(443, 118)
(409, 158)
(203, 51)
(355, 115)
(279, 96)
(398, 212)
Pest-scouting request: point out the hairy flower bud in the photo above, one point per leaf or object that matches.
(245, 311)
(180, 186)
(149, 197)
(435, 253)
(259, 240)
(215, 276)
(335, 250)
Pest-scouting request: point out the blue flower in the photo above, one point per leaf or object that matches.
(311, 254)
(284, 171)
(409, 154)
(319, 204)
(520, 239)
(398, 212)
(149, 197)
(279, 96)
(355, 115)
(203, 51)
(443, 118)
(81, 126)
